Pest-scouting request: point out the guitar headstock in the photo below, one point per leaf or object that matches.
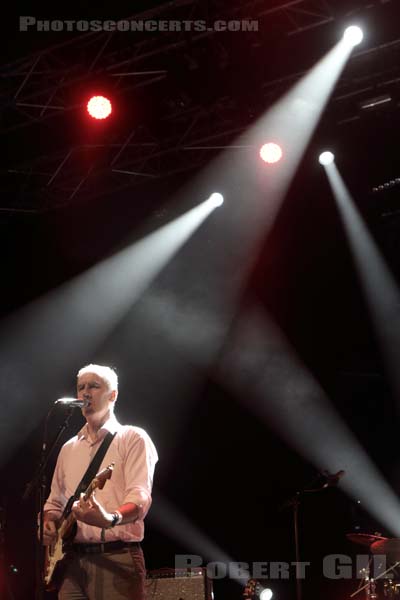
(99, 481)
(103, 476)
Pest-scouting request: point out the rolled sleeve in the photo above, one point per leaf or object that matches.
(141, 458)
(56, 501)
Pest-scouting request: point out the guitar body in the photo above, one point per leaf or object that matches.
(56, 554)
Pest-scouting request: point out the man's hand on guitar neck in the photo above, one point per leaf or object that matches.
(91, 512)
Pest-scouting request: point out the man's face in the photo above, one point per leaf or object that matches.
(93, 389)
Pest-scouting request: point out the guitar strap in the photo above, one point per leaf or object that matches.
(91, 471)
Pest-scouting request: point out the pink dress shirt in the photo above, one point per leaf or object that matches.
(135, 458)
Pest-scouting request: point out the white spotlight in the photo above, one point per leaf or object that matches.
(216, 199)
(266, 594)
(353, 35)
(326, 158)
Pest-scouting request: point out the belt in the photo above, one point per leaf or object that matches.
(104, 547)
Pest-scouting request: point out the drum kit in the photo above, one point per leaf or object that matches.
(384, 582)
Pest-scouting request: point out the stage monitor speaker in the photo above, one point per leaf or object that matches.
(178, 584)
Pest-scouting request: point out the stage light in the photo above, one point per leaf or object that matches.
(353, 35)
(266, 594)
(271, 153)
(326, 158)
(216, 199)
(99, 107)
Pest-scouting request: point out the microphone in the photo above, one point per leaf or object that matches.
(332, 479)
(73, 402)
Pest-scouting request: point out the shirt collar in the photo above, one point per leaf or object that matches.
(111, 425)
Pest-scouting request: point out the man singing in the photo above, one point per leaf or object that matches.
(106, 560)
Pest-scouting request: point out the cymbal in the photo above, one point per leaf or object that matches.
(387, 546)
(365, 539)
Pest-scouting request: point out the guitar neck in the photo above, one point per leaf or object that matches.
(90, 489)
(98, 482)
(70, 519)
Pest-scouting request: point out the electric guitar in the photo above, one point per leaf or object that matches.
(66, 530)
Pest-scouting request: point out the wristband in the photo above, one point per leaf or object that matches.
(117, 518)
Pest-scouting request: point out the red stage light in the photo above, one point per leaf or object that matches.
(99, 107)
(271, 153)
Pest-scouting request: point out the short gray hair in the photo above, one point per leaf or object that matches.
(107, 373)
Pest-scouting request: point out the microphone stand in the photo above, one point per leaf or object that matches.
(294, 502)
(38, 483)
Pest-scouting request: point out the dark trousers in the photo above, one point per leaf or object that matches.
(116, 575)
